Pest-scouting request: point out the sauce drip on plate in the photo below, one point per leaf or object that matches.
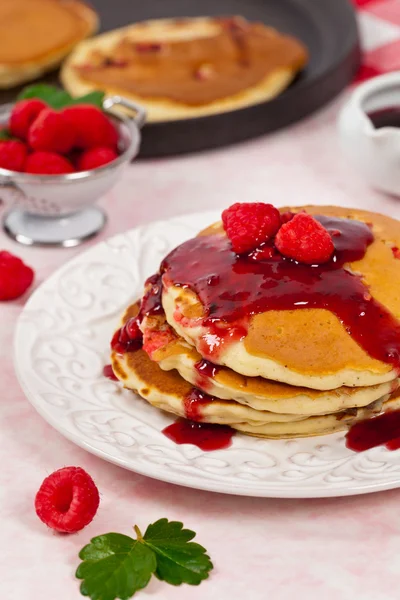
(205, 436)
(377, 431)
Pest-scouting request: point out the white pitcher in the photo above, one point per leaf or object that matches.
(375, 153)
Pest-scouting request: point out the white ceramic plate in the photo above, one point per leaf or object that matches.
(62, 343)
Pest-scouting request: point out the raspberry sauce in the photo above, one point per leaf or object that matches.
(205, 436)
(232, 288)
(128, 338)
(377, 431)
(385, 117)
(151, 301)
(205, 370)
(193, 403)
(109, 373)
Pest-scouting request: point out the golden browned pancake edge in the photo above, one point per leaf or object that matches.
(258, 392)
(167, 391)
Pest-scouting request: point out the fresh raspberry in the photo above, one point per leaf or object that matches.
(13, 155)
(67, 500)
(22, 116)
(249, 224)
(96, 157)
(47, 163)
(91, 126)
(52, 132)
(15, 276)
(305, 240)
(396, 252)
(74, 157)
(287, 216)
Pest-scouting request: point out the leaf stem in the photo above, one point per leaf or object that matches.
(138, 533)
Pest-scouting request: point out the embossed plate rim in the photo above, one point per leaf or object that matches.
(372, 467)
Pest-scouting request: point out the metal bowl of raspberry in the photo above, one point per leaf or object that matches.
(57, 209)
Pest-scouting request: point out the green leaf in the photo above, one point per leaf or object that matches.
(115, 566)
(178, 559)
(53, 96)
(58, 98)
(95, 98)
(5, 135)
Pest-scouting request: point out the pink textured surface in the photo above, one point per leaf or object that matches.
(332, 549)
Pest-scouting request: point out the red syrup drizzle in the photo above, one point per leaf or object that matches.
(151, 301)
(193, 403)
(205, 370)
(377, 431)
(205, 436)
(232, 288)
(127, 339)
(109, 373)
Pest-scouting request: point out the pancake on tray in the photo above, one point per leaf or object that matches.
(187, 67)
(287, 333)
(35, 35)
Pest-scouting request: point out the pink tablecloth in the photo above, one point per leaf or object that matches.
(332, 549)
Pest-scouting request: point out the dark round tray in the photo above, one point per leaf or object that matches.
(327, 27)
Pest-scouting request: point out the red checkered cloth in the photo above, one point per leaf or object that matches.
(379, 24)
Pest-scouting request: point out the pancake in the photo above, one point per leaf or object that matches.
(36, 35)
(256, 392)
(168, 391)
(187, 67)
(305, 347)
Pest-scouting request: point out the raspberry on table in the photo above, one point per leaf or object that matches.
(13, 155)
(15, 276)
(51, 132)
(48, 163)
(23, 115)
(96, 157)
(91, 126)
(305, 240)
(67, 500)
(247, 225)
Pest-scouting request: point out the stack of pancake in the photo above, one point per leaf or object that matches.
(274, 373)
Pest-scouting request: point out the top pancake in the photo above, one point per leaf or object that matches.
(303, 347)
(187, 67)
(36, 35)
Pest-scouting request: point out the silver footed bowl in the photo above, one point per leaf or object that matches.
(57, 210)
